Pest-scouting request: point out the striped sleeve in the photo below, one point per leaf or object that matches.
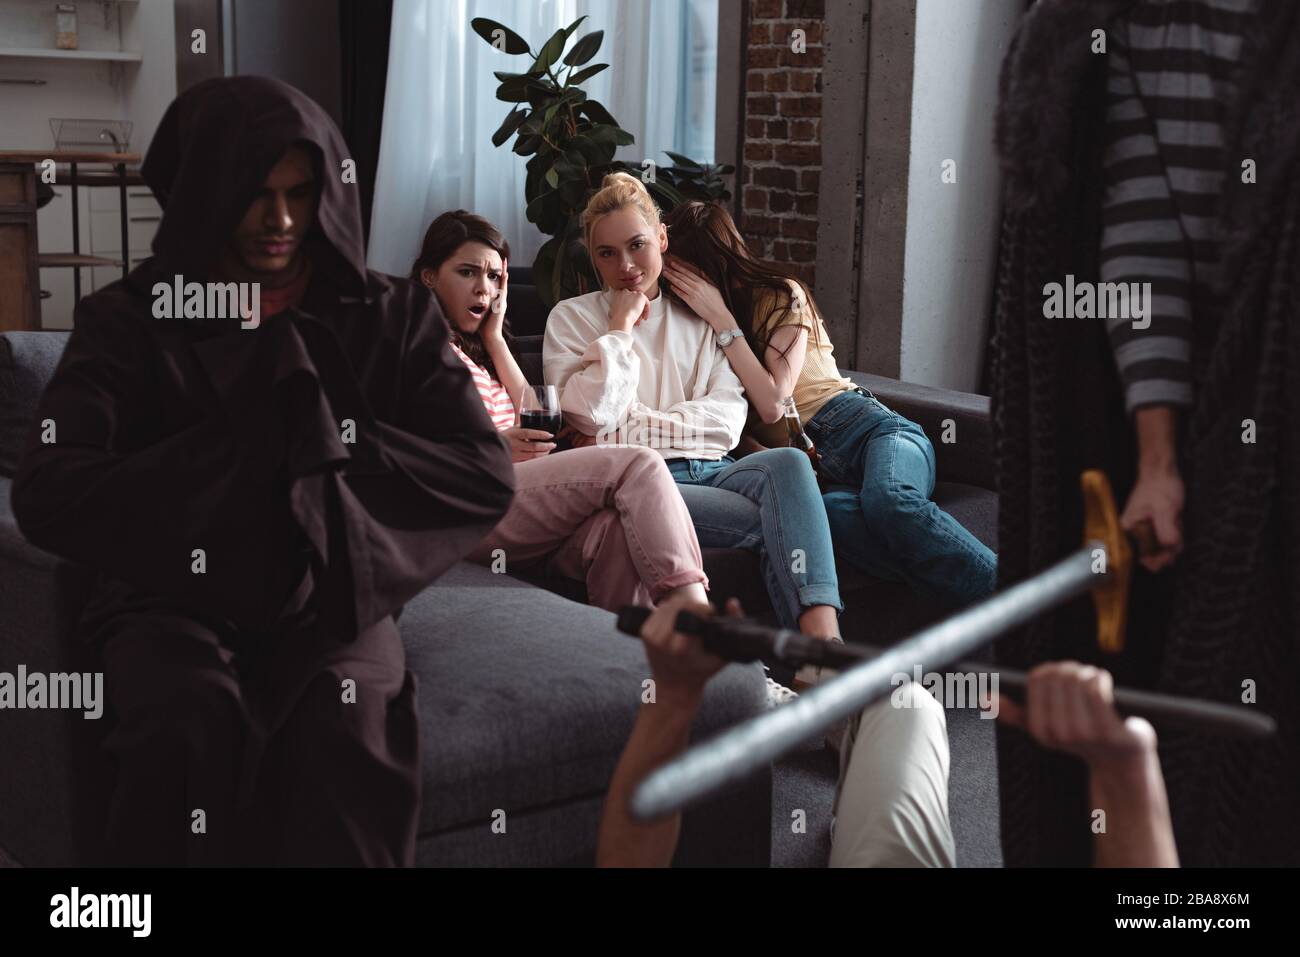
(1170, 69)
(496, 399)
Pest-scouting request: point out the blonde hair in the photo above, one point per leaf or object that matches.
(618, 191)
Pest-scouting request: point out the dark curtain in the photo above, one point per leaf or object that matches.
(364, 27)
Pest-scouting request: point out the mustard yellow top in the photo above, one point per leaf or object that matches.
(819, 380)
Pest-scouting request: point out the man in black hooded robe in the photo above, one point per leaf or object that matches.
(260, 499)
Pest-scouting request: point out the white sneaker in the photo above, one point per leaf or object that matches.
(778, 694)
(809, 676)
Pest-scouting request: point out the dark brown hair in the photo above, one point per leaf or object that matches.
(445, 235)
(704, 235)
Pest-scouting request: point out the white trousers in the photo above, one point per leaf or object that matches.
(891, 805)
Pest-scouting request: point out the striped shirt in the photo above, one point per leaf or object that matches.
(494, 395)
(1170, 81)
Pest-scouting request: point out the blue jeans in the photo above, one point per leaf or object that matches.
(879, 468)
(767, 503)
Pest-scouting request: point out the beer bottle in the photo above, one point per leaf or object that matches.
(797, 437)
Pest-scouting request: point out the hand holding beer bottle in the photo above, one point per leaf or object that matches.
(797, 438)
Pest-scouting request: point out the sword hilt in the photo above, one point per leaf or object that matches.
(1101, 527)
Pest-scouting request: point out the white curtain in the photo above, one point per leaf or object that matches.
(440, 106)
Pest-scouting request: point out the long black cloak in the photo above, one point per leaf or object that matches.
(1228, 613)
(180, 434)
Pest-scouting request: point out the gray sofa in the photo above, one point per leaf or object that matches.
(876, 612)
(526, 700)
(535, 729)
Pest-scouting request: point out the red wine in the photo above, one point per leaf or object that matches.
(546, 421)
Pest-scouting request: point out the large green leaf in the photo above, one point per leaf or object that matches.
(665, 195)
(585, 49)
(568, 31)
(594, 153)
(546, 212)
(573, 193)
(598, 115)
(604, 133)
(507, 129)
(582, 76)
(540, 96)
(685, 162)
(514, 90)
(512, 42)
(526, 145)
(551, 52)
(543, 267)
(563, 101)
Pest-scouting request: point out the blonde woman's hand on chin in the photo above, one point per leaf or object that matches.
(627, 307)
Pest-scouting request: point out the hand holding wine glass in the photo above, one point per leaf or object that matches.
(539, 423)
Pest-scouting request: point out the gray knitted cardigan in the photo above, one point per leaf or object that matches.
(1226, 621)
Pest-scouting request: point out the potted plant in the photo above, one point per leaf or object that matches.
(570, 140)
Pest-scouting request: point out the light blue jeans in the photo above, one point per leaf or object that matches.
(879, 468)
(767, 503)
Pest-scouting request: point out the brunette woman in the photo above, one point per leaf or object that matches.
(879, 466)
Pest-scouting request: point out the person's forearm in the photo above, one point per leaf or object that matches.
(508, 371)
(761, 387)
(710, 425)
(597, 395)
(1156, 427)
(1138, 830)
(662, 731)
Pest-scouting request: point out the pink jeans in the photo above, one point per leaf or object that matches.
(610, 516)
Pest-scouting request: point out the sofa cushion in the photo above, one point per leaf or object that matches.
(27, 361)
(959, 425)
(527, 313)
(527, 699)
(972, 505)
(530, 359)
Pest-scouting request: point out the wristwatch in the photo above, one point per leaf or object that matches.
(727, 338)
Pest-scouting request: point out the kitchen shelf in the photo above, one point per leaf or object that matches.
(70, 260)
(40, 53)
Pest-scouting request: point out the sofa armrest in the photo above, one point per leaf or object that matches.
(47, 783)
(968, 457)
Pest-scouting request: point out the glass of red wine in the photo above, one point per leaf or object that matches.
(539, 408)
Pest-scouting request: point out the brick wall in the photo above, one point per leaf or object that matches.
(781, 149)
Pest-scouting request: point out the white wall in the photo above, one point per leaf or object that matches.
(952, 229)
(149, 26)
(75, 89)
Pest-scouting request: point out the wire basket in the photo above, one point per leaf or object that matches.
(109, 135)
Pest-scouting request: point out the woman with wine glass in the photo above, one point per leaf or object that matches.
(609, 516)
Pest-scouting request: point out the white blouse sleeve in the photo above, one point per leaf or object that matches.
(594, 370)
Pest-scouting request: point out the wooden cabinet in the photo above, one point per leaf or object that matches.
(19, 283)
(103, 207)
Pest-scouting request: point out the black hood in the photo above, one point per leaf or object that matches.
(213, 150)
